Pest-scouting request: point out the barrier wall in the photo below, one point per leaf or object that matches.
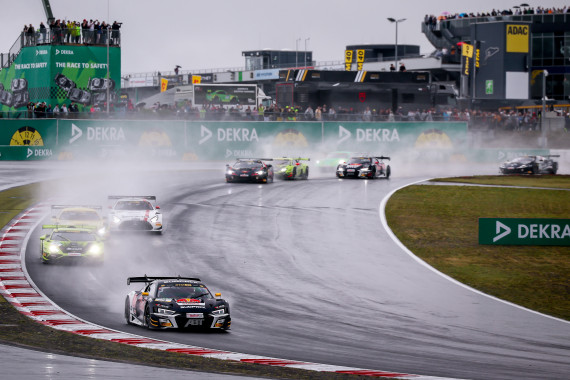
(39, 139)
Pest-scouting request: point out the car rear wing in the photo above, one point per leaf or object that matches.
(255, 159)
(292, 158)
(59, 207)
(68, 226)
(147, 197)
(552, 155)
(147, 279)
(383, 158)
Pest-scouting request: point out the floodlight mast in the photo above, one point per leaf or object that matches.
(47, 10)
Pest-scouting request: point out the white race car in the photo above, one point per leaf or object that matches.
(135, 213)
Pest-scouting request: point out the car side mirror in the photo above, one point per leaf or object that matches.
(218, 295)
(42, 238)
(157, 207)
(145, 294)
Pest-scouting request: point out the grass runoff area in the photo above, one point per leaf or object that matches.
(19, 330)
(444, 232)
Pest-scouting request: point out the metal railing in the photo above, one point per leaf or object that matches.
(60, 37)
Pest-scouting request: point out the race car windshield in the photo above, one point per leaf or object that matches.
(247, 165)
(359, 160)
(183, 290)
(284, 162)
(79, 215)
(73, 236)
(133, 205)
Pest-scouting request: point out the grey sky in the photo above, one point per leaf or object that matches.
(212, 34)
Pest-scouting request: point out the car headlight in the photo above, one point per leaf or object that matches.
(231, 172)
(261, 172)
(364, 169)
(53, 248)
(219, 312)
(95, 249)
(154, 219)
(165, 311)
(284, 169)
(101, 231)
(116, 219)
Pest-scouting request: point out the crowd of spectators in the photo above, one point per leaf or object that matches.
(63, 32)
(432, 20)
(502, 119)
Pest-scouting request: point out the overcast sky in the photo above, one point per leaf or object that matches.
(157, 35)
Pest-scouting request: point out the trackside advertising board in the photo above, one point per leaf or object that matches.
(519, 231)
(211, 140)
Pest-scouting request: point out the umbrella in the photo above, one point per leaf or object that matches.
(525, 5)
(178, 66)
(446, 13)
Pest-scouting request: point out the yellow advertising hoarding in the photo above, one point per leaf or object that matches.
(163, 84)
(348, 60)
(517, 38)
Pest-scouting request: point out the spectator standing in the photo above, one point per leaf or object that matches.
(332, 113)
(91, 36)
(115, 32)
(392, 67)
(43, 32)
(318, 114)
(402, 67)
(309, 113)
(85, 31)
(64, 111)
(30, 35)
(367, 115)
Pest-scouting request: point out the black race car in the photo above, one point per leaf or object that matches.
(364, 167)
(250, 170)
(100, 84)
(530, 165)
(64, 82)
(79, 96)
(175, 303)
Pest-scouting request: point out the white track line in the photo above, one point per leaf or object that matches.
(19, 289)
(382, 212)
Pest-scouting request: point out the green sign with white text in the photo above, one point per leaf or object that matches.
(519, 231)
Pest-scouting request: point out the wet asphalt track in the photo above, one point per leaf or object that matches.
(311, 275)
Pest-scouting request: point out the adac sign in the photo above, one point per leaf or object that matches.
(518, 231)
(517, 38)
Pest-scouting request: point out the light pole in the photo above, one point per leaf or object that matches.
(544, 75)
(305, 53)
(393, 20)
(108, 72)
(297, 52)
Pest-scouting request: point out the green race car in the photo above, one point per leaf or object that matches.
(291, 168)
(221, 96)
(71, 243)
(332, 160)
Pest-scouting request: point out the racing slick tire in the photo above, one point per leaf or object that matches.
(127, 312)
(147, 318)
(294, 173)
(534, 169)
(388, 172)
(306, 176)
(373, 174)
(554, 168)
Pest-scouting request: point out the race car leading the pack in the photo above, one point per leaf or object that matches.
(135, 213)
(71, 243)
(364, 167)
(175, 303)
(291, 168)
(250, 170)
(79, 215)
(530, 165)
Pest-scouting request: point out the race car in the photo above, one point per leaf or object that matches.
(64, 82)
(175, 303)
(100, 84)
(364, 167)
(291, 168)
(135, 213)
(20, 99)
(221, 96)
(71, 243)
(530, 165)
(84, 215)
(332, 160)
(250, 170)
(79, 96)
(6, 98)
(19, 85)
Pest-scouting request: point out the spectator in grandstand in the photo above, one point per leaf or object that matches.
(115, 35)
(85, 31)
(402, 67)
(392, 67)
(43, 32)
(30, 35)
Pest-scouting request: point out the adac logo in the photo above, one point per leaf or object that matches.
(27, 136)
(501, 231)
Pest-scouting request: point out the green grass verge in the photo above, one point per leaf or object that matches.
(444, 232)
(17, 329)
(550, 181)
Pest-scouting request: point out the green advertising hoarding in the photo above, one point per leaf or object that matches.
(28, 139)
(122, 138)
(521, 231)
(32, 76)
(91, 138)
